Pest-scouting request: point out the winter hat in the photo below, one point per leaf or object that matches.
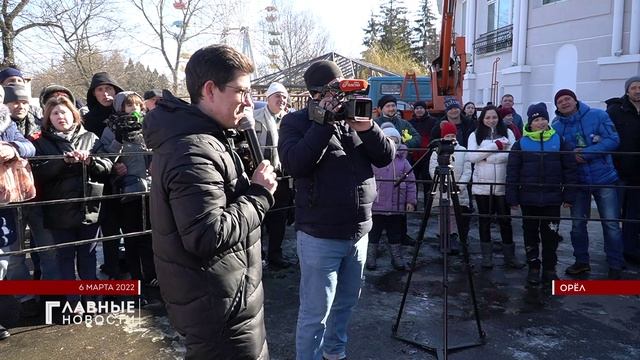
(118, 100)
(564, 92)
(451, 103)
(537, 110)
(150, 94)
(48, 91)
(9, 72)
(630, 81)
(15, 93)
(276, 87)
(502, 112)
(447, 127)
(321, 73)
(387, 99)
(421, 104)
(388, 129)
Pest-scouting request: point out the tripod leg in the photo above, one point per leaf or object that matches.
(453, 187)
(414, 259)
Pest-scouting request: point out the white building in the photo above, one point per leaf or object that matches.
(589, 46)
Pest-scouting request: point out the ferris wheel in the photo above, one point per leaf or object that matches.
(271, 18)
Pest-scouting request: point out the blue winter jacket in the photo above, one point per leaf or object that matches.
(537, 171)
(593, 130)
(9, 133)
(331, 165)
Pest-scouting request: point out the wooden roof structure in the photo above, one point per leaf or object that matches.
(292, 78)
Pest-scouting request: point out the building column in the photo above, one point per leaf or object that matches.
(515, 43)
(634, 36)
(522, 33)
(616, 33)
(470, 31)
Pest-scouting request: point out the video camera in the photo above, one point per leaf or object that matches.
(351, 95)
(444, 149)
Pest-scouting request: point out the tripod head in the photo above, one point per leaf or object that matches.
(444, 149)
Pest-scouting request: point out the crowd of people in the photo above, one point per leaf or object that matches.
(210, 203)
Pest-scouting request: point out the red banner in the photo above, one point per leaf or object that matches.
(70, 287)
(596, 287)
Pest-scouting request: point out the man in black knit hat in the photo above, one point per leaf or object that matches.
(330, 161)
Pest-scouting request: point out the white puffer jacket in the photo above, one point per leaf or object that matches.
(461, 171)
(490, 167)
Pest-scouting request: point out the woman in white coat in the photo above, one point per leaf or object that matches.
(488, 188)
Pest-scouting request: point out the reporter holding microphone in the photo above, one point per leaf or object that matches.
(330, 159)
(206, 213)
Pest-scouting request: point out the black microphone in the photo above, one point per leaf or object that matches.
(247, 126)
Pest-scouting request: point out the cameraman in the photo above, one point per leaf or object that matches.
(330, 160)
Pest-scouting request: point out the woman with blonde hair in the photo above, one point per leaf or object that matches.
(69, 177)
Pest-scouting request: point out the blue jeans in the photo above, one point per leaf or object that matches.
(330, 281)
(608, 208)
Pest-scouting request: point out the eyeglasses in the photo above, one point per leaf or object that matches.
(244, 92)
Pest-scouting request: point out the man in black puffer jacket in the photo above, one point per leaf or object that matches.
(206, 214)
(625, 114)
(330, 161)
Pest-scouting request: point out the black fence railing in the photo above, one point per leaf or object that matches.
(493, 41)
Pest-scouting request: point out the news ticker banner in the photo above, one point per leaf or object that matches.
(70, 287)
(595, 287)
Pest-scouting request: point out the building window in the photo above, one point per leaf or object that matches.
(494, 41)
(545, 2)
(499, 14)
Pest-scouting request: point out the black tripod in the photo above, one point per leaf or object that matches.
(445, 180)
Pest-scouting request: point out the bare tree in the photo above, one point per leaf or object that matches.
(294, 37)
(84, 28)
(18, 17)
(197, 18)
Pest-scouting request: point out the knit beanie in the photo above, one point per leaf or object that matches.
(276, 87)
(321, 73)
(502, 112)
(451, 103)
(564, 92)
(388, 129)
(421, 104)
(150, 94)
(15, 93)
(387, 99)
(48, 90)
(630, 81)
(9, 72)
(537, 110)
(446, 128)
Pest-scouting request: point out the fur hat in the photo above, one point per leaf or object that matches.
(276, 87)
(537, 110)
(387, 99)
(388, 129)
(630, 81)
(451, 103)
(9, 72)
(15, 93)
(564, 92)
(321, 73)
(447, 127)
